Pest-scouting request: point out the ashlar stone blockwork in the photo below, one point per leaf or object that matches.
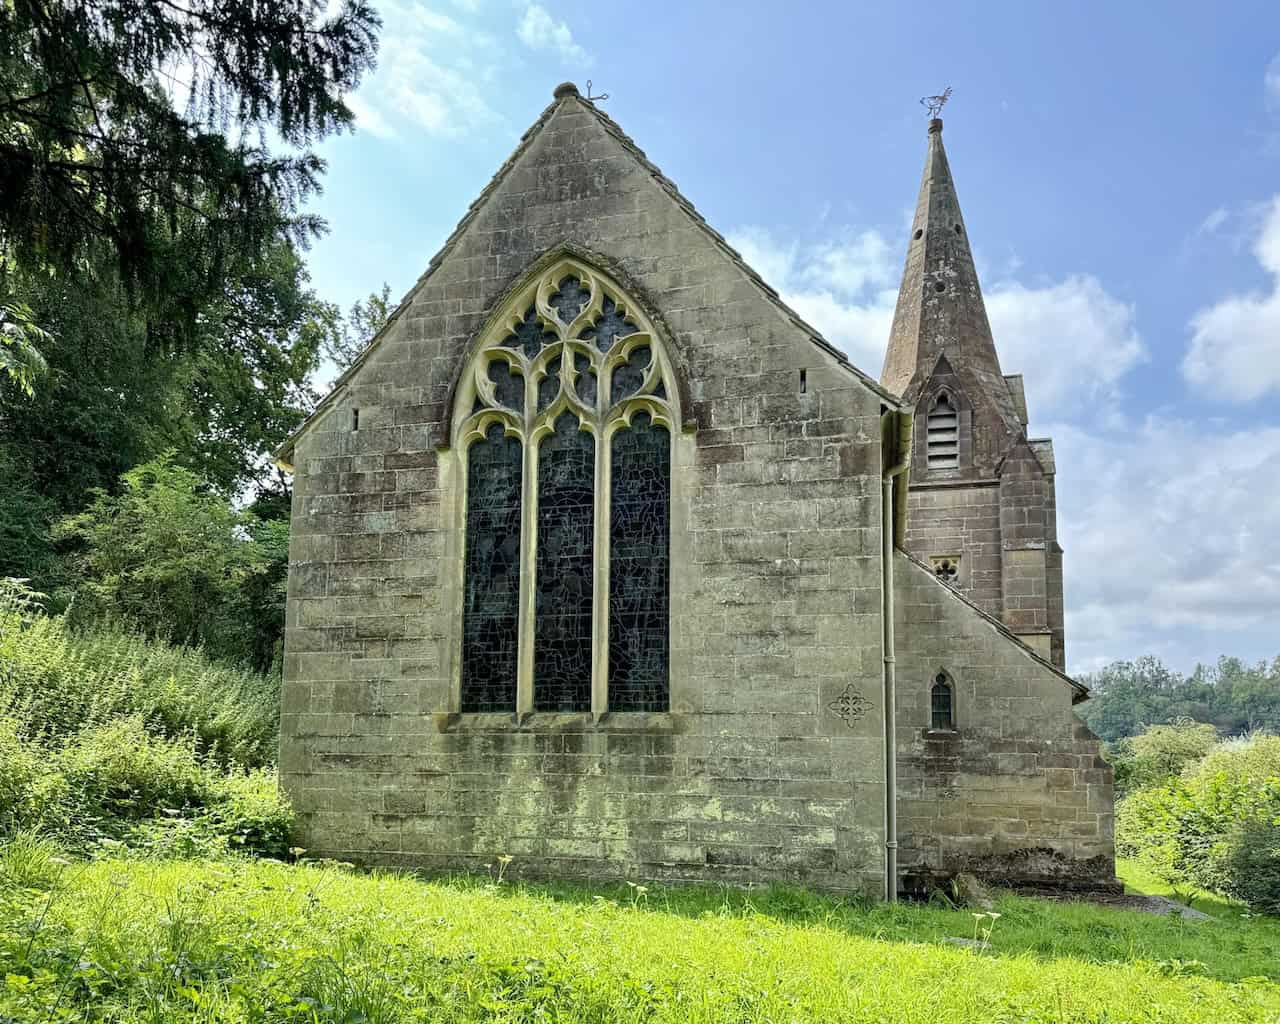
(768, 760)
(989, 494)
(774, 585)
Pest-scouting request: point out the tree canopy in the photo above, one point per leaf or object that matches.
(133, 133)
(1231, 695)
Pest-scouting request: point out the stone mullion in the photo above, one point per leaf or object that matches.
(528, 553)
(600, 580)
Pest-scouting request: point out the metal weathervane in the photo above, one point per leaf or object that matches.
(934, 104)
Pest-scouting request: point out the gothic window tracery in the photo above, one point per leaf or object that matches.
(566, 546)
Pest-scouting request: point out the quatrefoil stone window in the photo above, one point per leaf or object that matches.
(946, 568)
(564, 415)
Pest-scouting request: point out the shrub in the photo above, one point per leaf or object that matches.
(58, 680)
(117, 773)
(1249, 865)
(253, 814)
(1161, 752)
(170, 553)
(1215, 825)
(21, 770)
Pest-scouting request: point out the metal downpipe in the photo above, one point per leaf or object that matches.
(888, 526)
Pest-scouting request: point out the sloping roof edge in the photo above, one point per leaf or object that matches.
(283, 455)
(1080, 691)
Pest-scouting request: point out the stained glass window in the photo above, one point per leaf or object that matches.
(546, 660)
(628, 377)
(491, 600)
(569, 299)
(566, 517)
(507, 386)
(549, 386)
(530, 336)
(639, 566)
(611, 326)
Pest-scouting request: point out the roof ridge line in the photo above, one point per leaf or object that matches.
(286, 448)
(670, 187)
(1082, 691)
(284, 451)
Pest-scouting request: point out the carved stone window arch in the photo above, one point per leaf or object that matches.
(572, 382)
(942, 703)
(942, 425)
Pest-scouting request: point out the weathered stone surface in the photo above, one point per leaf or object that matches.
(995, 509)
(769, 764)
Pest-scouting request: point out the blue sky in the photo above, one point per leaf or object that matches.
(1119, 170)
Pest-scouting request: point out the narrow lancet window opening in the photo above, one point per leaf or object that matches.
(942, 703)
(491, 593)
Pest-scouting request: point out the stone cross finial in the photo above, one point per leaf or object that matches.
(934, 104)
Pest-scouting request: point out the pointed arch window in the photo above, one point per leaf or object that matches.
(942, 703)
(942, 446)
(564, 417)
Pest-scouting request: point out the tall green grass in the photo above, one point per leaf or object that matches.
(129, 942)
(56, 681)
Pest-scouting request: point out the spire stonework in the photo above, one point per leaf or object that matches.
(981, 499)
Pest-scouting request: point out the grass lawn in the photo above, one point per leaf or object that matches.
(260, 941)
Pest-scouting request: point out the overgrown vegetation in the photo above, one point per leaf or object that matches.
(1203, 813)
(237, 941)
(108, 738)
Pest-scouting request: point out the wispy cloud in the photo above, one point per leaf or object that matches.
(1235, 343)
(1073, 338)
(1271, 82)
(1167, 531)
(843, 284)
(432, 74)
(538, 30)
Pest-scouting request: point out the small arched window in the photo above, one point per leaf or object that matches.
(564, 417)
(942, 703)
(942, 446)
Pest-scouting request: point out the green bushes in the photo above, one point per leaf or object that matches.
(118, 784)
(1216, 825)
(108, 738)
(1160, 752)
(57, 680)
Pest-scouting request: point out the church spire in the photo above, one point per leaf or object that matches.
(940, 311)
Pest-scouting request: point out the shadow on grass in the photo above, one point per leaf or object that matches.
(1230, 948)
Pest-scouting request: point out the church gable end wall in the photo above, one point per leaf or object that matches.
(768, 764)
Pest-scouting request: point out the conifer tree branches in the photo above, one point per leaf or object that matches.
(133, 133)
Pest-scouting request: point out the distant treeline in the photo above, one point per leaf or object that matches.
(1234, 697)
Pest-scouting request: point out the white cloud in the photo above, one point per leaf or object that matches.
(1213, 221)
(1073, 340)
(844, 286)
(538, 30)
(432, 74)
(1235, 343)
(1168, 534)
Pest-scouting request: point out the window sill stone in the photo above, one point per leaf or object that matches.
(558, 721)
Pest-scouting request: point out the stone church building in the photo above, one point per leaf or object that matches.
(603, 559)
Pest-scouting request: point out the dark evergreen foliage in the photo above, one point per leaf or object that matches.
(98, 167)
